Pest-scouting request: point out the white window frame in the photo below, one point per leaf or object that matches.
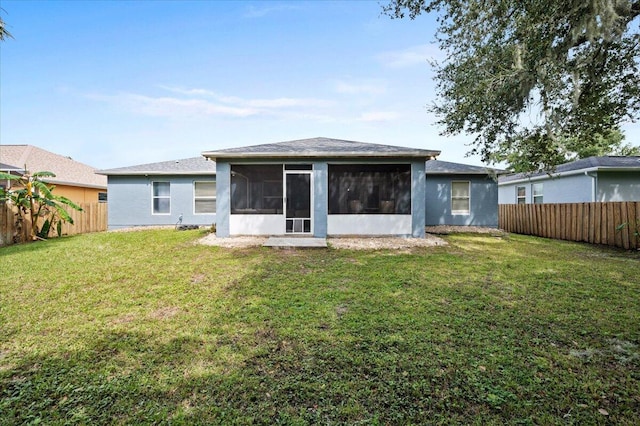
(468, 198)
(518, 197)
(195, 197)
(535, 195)
(153, 197)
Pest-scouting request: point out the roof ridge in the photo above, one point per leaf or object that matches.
(25, 154)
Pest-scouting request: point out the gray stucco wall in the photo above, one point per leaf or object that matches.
(418, 193)
(130, 201)
(483, 202)
(618, 186)
(320, 198)
(223, 207)
(563, 189)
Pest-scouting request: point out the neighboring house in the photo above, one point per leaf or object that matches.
(461, 195)
(590, 179)
(162, 193)
(321, 187)
(11, 170)
(74, 180)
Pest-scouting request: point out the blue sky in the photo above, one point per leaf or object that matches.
(118, 83)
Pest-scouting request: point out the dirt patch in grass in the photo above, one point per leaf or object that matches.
(198, 278)
(165, 313)
(124, 319)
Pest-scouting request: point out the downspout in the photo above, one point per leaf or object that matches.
(593, 185)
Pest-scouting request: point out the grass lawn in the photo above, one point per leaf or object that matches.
(147, 327)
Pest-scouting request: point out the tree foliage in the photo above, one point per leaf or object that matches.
(528, 75)
(36, 203)
(520, 155)
(4, 33)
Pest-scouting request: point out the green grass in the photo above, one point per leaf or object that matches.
(147, 327)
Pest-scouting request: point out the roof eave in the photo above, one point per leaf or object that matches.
(571, 173)
(81, 185)
(155, 173)
(479, 173)
(327, 154)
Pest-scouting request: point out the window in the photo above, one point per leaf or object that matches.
(161, 198)
(370, 189)
(521, 195)
(460, 196)
(256, 189)
(204, 197)
(537, 193)
(102, 197)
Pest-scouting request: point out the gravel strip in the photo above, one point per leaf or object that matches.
(351, 243)
(385, 243)
(446, 229)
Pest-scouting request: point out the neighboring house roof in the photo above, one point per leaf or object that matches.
(187, 166)
(10, 169)
(585, 165)
(438, 167)
(321, 147)
(67, 171)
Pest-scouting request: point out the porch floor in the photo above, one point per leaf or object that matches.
(296, 242)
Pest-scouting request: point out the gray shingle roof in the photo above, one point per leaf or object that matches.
(610, 162)
(321, 147)
(438, 167)
(186, 166)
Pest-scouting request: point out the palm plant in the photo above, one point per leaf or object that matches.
(35, 200)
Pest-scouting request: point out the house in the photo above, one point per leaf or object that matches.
(321, 187)
(74, 180)
(315, 187)
(461, 195)
(11, 170)
(608, 178)
(162, 193)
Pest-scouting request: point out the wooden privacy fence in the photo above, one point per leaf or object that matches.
(595, 223)
(93, 218)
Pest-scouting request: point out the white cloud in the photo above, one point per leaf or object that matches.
(288, 103)
(190, 92)
(415, 55)
(203, 102)
(172, 107)
(259, 12)
(362, 87)
(378, 116)
(256, 103)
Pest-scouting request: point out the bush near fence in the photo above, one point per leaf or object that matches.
(595, 223)
(92, 218)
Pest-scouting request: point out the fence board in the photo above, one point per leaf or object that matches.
(595, 223)
(93, 218)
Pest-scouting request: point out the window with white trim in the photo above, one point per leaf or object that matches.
(537, 193)
(460, 197)
(521, 195)
(204, 197)
(161, 197)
